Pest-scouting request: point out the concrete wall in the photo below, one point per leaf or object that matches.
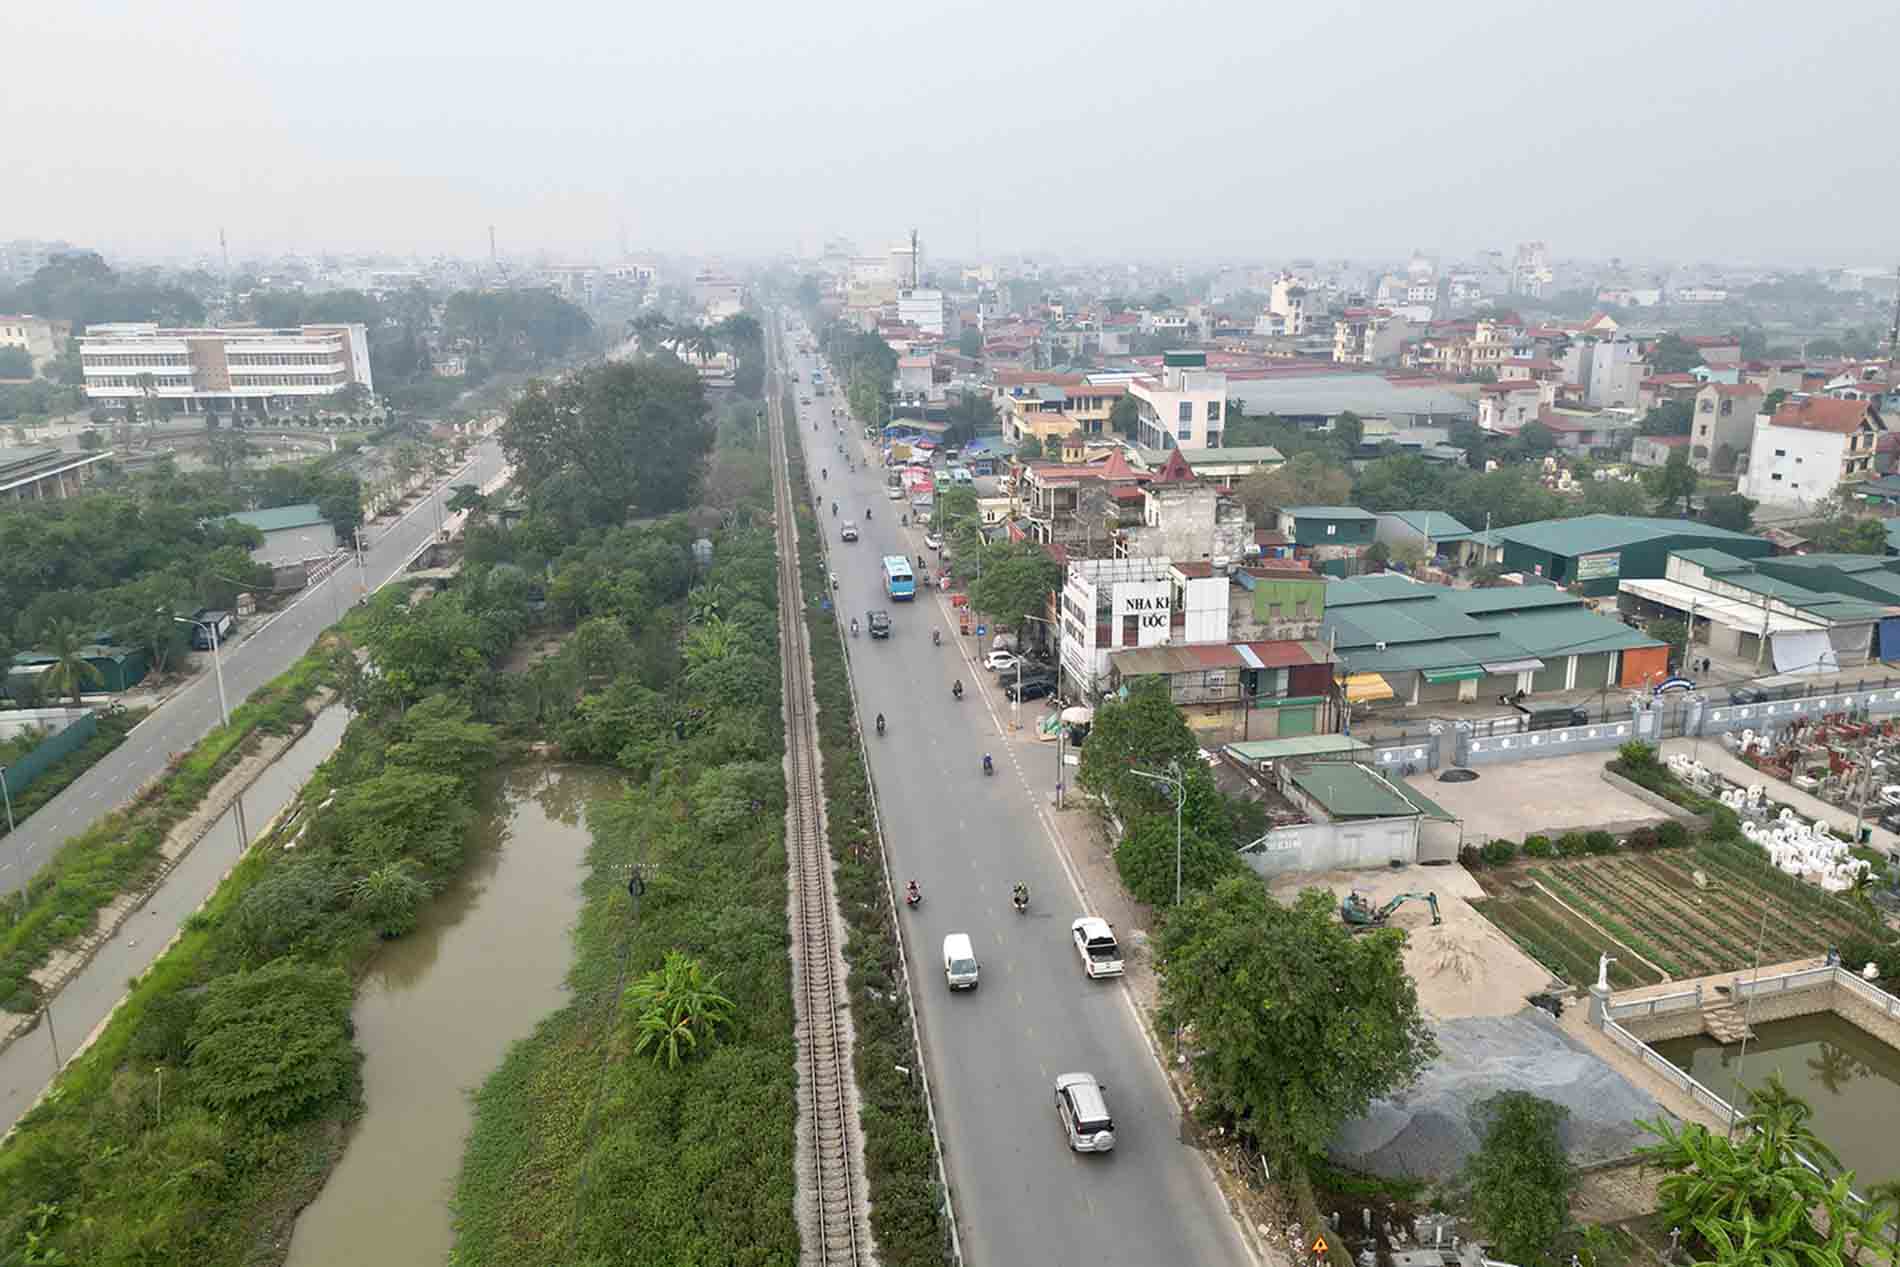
(1481, 750)
(1360, 844)
(1777, 998)
(1704, 716)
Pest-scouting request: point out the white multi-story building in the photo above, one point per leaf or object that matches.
(1110, 605)
(1185, 407)
(1287, 301)
(223, 369)
(930, 311)
(1810, 448)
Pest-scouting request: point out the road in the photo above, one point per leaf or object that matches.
(260, 654)
(1021, 1195)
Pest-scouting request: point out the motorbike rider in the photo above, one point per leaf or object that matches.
(1020, 894)
(834, 510)
(912, 893)
(903, 521)
(854, 626)
(867, 514)
(936, 637)
(880, 723)
(824, 472)
(956, 688)
(989, 767)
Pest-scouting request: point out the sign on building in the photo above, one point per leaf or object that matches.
(1598, 567)
(1146, 609)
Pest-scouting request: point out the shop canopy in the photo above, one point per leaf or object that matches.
(1367, 688)
(1461, 673)
(1529, 664)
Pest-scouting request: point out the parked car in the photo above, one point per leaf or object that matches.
(1084, 1113)
(1095, 943)
(997, 661)
(804, 400)
(1030, 688)
(895, 494)
(934, 541)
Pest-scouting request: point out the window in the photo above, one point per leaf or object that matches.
(1332, 529)
(1776, 477)
(1131, 630)
(1728, 407)
(1213, 411)
(1708, 406)
(1781, 453)
(1185, 411)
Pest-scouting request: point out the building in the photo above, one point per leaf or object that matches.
(1723, 425)
(1110, 605)
(930, 311)
(1332, 539)
(1504, 407)
(1610, 370)
(1260, 690)
(119, 669)
(1051, 411)
(1313, 398)
(1585, 431)
(1655, 450)
(1530, 270)
(41, 338)
(1429, 530)
(1591, 553)
(238, 368)
(1369, 336)
(1187, 519)
(1813, 448)
(1226, 465)
(1395, 639)
(46, 474)
(1286, 304)
(1183, 408)
(292, 534)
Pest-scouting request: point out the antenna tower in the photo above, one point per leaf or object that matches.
(913, 259)
(224, 249)
(1893, 338)
(493, 261)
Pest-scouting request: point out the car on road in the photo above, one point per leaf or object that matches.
(1095, 943)
(880, 623)
(848, 531)
(895, 494)
(1084, 1113)
(934, 541)
(1030, 688)
(960, 969)
(804, 400)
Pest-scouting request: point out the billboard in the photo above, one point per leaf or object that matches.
(1599, 567)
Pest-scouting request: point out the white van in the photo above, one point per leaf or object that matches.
(961, 475)
(959, 962)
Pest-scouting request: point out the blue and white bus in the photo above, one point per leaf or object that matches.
(898, 581)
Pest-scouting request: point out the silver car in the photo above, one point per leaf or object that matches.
(1084, 1113)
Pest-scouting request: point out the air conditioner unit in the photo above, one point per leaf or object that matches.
(1378, 646)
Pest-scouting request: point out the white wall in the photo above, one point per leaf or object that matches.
(1793, 467)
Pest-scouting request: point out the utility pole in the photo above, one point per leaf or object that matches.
(1172, 779)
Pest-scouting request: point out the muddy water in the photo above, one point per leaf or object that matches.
(1850, 1078)
(438, 1011)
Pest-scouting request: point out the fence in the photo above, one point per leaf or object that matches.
(1679, 1078)
(80, 726)
(1656, 1005)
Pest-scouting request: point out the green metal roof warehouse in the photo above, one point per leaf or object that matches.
(1593, 552)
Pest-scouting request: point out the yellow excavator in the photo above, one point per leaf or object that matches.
(1359, 913)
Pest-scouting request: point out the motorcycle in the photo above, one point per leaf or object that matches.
(880, 724)
(854, 628)
(936, 637)
(956, 692)
(913, 898)
(1020, 900)
(989, 766)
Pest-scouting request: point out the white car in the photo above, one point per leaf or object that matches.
(895, 494)
(1083, 1110)
(998, 661)
(1095, 942)
(934, 541)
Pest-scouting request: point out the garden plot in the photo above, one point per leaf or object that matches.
(1651, 912)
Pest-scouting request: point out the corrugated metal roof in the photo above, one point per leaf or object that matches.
(1588, 534)
(278, 518)
(1435, 524)
(1140, 661)
(1254, 750)
(1327, 512)
(1346, 789)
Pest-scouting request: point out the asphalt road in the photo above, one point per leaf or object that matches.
(260, 653)
(1021, 1195)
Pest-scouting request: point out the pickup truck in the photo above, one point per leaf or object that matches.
(880, 623)
(1095, 943)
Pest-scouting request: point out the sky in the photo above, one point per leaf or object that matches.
(1666, 130)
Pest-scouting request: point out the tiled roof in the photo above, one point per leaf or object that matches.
(1822, 413)
(1735, 389)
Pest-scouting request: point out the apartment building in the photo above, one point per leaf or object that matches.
(1505, 407)
(930, 311)
(41, 338)
(1052, 411)
(1811, 449)
(1369, 336)
(1723, 425)
(224, 369)
(1184, 407)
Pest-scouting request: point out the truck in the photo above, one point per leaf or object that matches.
(205, 622)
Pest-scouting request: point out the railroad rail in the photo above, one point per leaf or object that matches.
(833, 1204)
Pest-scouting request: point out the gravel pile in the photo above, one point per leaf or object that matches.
(1429, 1133)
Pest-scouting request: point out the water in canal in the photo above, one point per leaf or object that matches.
(1849, 1077)
(437, 1012)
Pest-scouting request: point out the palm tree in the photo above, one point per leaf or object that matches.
(709, 642)
(674, 1006)
(651, 329)
(704, 603)
(1784, 1121)
(71, 670)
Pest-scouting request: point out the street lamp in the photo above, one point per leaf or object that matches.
(217, 659)
(1173, 779)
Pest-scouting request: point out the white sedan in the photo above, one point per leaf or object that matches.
(934, 541)
(999, 661)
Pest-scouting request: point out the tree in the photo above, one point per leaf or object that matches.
(1732, 511)
(1534, 440)
(70, 670)
(674, 1007)
(1144, 858)
(15, 363)
(390, 897)
(1671, 418)
(1016, 581)
(470, 498)
(1030, 450)
(439, 736)
(970, 342)
(1673, 632)
(1299, 1025)
(1671, 354)
(1404, 481)
(273, 1044)
(1143, 731)
(1303, 480)
(1673, 483)
(1773, 401)
(1521, 1179)
(1124, 418)
(1377, 555)
(1349, 428)
(971, 413)
(1851, 534)
(1614, 497)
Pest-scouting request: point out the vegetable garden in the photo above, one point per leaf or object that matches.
(1651, 908)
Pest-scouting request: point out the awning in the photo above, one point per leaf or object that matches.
(1367, 688)
(1463, 673)
(1529, 664)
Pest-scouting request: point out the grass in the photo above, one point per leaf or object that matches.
(120, 851)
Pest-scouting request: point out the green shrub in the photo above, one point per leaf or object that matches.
(273, 1044)
(1538, 847)
(1637, 756)
(1599, 842)
(1572, 844)
(1724, 824)
(1498, 852)
(1641, 838)
(1671, 834)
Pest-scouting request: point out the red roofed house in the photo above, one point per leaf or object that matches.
(1811, 448)
(1723, 425)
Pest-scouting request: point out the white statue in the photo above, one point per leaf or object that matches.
(1603, 971)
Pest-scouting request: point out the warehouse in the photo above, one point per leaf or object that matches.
(1594, 552)
(1395, 639)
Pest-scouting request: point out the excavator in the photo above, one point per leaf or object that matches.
(1359, 913)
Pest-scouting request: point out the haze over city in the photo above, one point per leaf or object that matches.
(1753, 131)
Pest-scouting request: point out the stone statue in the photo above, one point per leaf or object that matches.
(1603, 971)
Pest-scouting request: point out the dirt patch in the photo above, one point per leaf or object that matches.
(1549, 796)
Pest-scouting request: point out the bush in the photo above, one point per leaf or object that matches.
(1724, 824)
(1642, 838)
(1498, 852)
(284, 907)
(273, 1044)
(1637, 756)
(1537, 845)
(1599, 842)
(1572, 844)
(1671, 834)
(1470, 857)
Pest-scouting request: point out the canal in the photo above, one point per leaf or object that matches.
(1850, 1078)
(438, 1010)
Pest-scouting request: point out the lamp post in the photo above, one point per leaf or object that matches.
(217, 661)
(1172, 779)
(6, 796)
(1056, 633)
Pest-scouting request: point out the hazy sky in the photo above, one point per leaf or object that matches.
(1651, 130)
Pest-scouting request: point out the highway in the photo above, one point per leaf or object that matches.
(264, 648)
(1021, 1196)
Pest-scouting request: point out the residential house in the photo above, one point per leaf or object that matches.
(1226, 465)
(1723, 426)
(1183, 408)
(1430, 530)
(1369, 336)
(1255, 690)
(915, 375)
(1081, 506)
(1655, 450)
(41, 338)
(1657, 390)
(1331, 538)
(1187, 519)
(1608, 367)
(1582, 432)
(1813, 448)
(1109, 605)
(1462, 349)
(1504, 407)
(1051, 411)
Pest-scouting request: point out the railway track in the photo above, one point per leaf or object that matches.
(833, 1204)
